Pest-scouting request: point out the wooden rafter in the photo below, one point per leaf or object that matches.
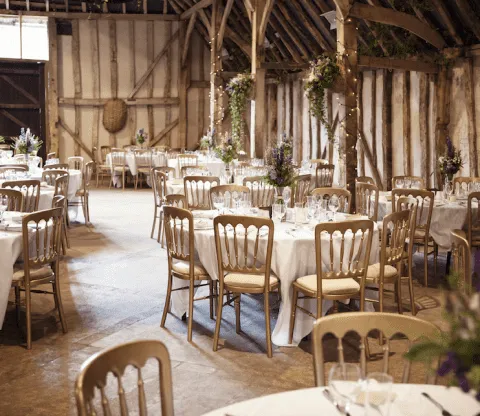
(197, 6)
(401, 64)
(469, 16)
(290, 32)
(264, 21)
(447, 19)
(322, 36)
(291, 48)
(20, 89)
(76, 138)
(94, 16)
(164, 132)
(188, 36)
(223, 24)
(12, 117)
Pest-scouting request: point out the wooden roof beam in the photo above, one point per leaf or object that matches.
(469, 16)
(289, 30)
(320, 22)
(447, 19)
(401, 64)
(291, 49)
(267, 11)
(94, 16)
(196, 7)
(223, 24)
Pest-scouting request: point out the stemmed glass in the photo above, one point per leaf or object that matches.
(311, 207)
(448, 190)
(343, 381)
(378, 393)
(278, 211)
(287, 195)
(408, 183)
(333, 205)
(399, 183)
(218, 202)
(236, 196)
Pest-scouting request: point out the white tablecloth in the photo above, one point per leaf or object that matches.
(446, 217)
(214, 166)
(74, 181)
(311, 402)
(158, 159)
(293, 256)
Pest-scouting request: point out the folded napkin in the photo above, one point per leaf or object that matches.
(11, 226)
(203, 224)
(210, 214)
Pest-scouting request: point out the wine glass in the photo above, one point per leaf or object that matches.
(399, 183)
(378, 394)
(448, 190)
(311, 207)
(237, 197)
(299, 214)
(287, 195)
(278, 211)
(343, 381)
(218, 202)
(408, 183)
(333, 205)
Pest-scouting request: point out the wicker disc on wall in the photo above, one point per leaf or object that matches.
(114, 115)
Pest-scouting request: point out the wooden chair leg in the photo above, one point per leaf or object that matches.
(267, 324)
(292, 314)
(190, 310)
(67, 241)
(237, 297)
(219, 317)
(211, 297)
(17, 304)
(412, 293)
(435, 257)
(399, 295)
(154, 221)
(28, 309)
(166, 307)
(59, 304)
(425, 264)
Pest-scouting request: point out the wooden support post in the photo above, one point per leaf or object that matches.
(77, 81)
(329, 106)
(272, 115)
(168, 83)
(213, 63)
(373, 123)
(52, 90)
(95, 84)
(132, 110)
(201, 95)
(407, 126)
(471, 116)
(183, 85)
(361, 151)
(149, 82)
(387, 128)
(112, 26)
(443, 115)
(424, 127)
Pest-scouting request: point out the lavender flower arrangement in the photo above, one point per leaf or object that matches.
(207, 142)
(279, 164)
(228, 150)
(459, 348)
(141, 137)
(26, 142)
(451, 162)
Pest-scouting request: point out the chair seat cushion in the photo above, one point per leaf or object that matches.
(373, 272)
(120, 169)
(329, 286)
(81, 192)
(35, 274)
(183, 267)
(248, 280)
(419, 233)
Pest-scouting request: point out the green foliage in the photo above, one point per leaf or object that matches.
(239, 90)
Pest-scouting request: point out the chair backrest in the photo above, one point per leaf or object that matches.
(41, 239)
(236, 253)
(88, 174)
(63, 166)
(58, 201)
(179, 233)
(408, 181)
(319, 161)
(20, 157)
(366, 197)
(261, 192)
(160, 158)
(197, 190)
(15, 168)
(95, 371)
(190, 170)
(395, 231)
(187, 160)
(76, 162)
(104, 151)
(238, 192)
(343, 195)
(390, 324)
(51, 155)
(324, 175)
(12, 199)
(159, 185)
(118, 158)
(176, 200)
(425, 200)
(467, 184)
(462, 266)
(31, 192)
(300, 188)
(473, 216)
(15, 165)
(365, 179)
(143, 158)
(50, 175)
(170, 172)
(61, 185)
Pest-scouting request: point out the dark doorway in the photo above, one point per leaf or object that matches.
(22, 99)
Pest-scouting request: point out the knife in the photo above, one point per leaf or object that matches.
(330, 398)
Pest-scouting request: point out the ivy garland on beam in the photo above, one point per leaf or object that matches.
(239, 90)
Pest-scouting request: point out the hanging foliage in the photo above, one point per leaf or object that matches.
(239, 90)
(323, 74)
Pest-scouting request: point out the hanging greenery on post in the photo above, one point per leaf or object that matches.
(239, 90)
(324, 74)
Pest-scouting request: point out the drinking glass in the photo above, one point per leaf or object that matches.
(287, 195)
(448, 190)
(378, 394)
(399, 183)
(344, 384)
(3, 208)
(300, 214)
(311, 207)
(218, 202)
(333, 205)
(408, 183)
(237, 197)
(278, 211)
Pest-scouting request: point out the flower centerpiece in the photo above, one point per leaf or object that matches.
(450, 163)
(227, 152)
(141, 137)
(280, 170)
(323, 74)
(26, 143)
(207, 142)
(239, 90)
(458, 348)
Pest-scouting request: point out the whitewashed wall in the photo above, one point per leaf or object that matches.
(162, 32)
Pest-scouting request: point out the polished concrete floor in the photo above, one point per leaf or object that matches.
(113, 288)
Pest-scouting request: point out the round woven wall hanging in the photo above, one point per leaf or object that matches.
(114, 115)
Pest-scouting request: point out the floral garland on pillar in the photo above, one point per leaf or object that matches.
(239, 90)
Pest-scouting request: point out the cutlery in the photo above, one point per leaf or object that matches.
(330, 398)
(439, 406)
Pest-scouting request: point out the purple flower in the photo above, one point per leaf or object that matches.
(463, 382)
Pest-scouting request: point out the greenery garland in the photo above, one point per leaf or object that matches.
(239, 90)
(322, 75)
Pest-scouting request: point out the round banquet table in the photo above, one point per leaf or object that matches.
(74, 181)
(293, 256)
(158, 159)
(408, 401)
(214, 166)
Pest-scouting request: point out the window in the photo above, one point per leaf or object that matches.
(27, 37)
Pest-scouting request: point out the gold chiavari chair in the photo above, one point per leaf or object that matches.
(187, 170)
(324, 176)
(465, 183)
(343, 277)
(20, 158)
(159, 187)
(144, 163)
(262, 193)
(170, 172)
(5, 147)
(119, 164)
(187, 160)
(31, 192)
(365, 179)
(75, 163)
(103, 168)
(12, 199)
(413, 179)
(300, 188)
(343, 196)
(236, 192)
(51, 155)
(95, 371)
(396, 230)
(84, 192)
(129, 147)
(389, 324)
(61, 188)
(176, 200)
(41, 240)
(248, 272)
(473, 219)
(425, 200)
(366, 196)
(318, 162)
(13, 168)
(179, 231)
(15, 165)
(197, 191)
(63, 166)
(462, 265)
(50, 175)
(59, 201)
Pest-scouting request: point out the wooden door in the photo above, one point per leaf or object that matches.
(22, 99)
